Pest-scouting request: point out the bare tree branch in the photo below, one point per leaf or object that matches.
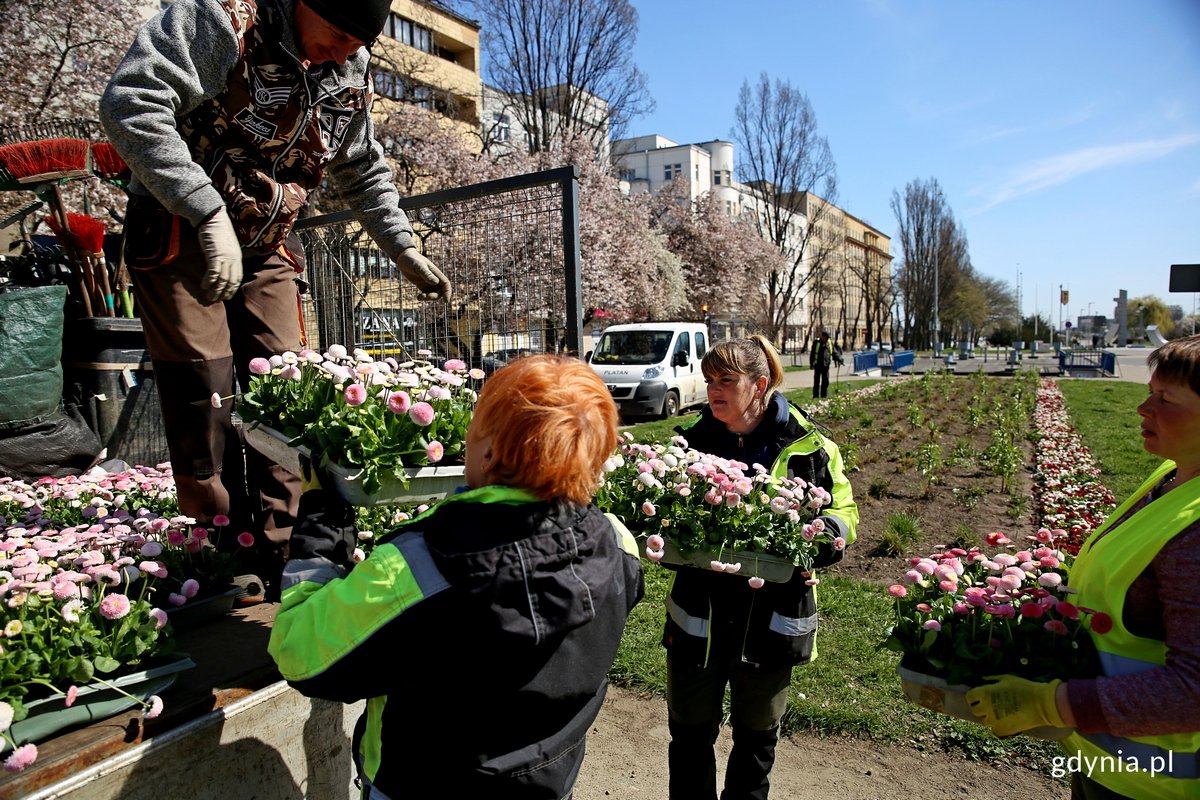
(557, 58)
(792, 171)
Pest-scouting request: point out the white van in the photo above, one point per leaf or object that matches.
(653, 368)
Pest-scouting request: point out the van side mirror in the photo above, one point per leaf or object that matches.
(587, 356)
(680, 359)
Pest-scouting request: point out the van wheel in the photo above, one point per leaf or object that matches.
(670, 405)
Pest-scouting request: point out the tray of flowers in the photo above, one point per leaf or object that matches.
(89, 566)
(964, 614)
(386, 431)
(412, 484)
(699, 510)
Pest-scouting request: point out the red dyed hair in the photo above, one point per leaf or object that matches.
(552, 422)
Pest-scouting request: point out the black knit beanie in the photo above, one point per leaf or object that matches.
(362, 19)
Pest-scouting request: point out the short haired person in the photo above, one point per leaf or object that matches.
(481, 631)
(823, 353)
(720, 631)
(229, 113)
(1137, 723)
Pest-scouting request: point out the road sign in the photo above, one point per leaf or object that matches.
(1067, 324)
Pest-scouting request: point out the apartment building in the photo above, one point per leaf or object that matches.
(503, 121)
(851, 285)
(429, 56)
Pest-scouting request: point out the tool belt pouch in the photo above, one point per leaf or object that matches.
(151, 233)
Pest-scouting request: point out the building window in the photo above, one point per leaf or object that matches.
(697, 173)
(500, 127)
(393, 87)
(386, 85)
(410, 33)
(672, 171)
(721, 177)
(627, 174)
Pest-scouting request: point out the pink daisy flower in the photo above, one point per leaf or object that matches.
(355, 394)
(421, 413)
(114, 606)
(155, 708)
(21, 758)
(399, 402)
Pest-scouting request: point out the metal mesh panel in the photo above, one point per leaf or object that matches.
(509, 248)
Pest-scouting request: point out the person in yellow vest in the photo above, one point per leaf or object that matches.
(719, 630)
(1137, 724)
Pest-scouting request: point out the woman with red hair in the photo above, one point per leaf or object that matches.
(480, 632)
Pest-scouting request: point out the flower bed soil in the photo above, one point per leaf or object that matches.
(980, 505)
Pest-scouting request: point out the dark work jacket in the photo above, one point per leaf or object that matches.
(480, 634)
(710, 614)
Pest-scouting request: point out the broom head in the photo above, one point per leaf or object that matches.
(108, 165)
(84, 233)
(24, 164)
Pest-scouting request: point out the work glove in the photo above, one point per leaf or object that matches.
(223, 255)
(325, 524)
(1012, 704)
(430, 280)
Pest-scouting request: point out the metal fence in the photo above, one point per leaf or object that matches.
(509, 247)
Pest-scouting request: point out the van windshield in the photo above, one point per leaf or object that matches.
(632, 347)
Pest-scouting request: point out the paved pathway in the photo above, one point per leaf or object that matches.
(1131, 366)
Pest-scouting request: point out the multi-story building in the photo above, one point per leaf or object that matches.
(848, 292)
(503, 115)
(851, 295)
(429, 56)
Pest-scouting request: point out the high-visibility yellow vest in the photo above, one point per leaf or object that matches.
(1102, 574)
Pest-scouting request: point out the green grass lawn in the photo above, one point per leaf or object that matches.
(1105, 416)
(852, 688)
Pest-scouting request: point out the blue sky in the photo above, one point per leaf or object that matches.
(1065, 134)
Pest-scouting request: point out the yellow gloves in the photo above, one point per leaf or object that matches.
(1012, 704)
(310, 480)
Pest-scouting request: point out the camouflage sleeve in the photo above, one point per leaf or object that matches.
(361, 175)
(178, 59)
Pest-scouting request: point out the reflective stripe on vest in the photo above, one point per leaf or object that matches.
(1106, 567)
(692, 626)
(793, 626)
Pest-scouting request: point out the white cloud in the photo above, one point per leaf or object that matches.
(1060, 169)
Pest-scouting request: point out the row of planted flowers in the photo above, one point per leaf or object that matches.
(1068, 494)
(91, 568)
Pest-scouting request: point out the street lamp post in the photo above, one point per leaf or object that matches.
(937, 336)
(937, 324)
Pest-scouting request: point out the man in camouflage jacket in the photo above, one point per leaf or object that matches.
(229, 113)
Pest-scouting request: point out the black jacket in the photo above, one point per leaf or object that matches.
(776, 624)
(481, 632)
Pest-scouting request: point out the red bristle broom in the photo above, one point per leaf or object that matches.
(87, 235)
(74, 245)
(108, 165)
(25, 164)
